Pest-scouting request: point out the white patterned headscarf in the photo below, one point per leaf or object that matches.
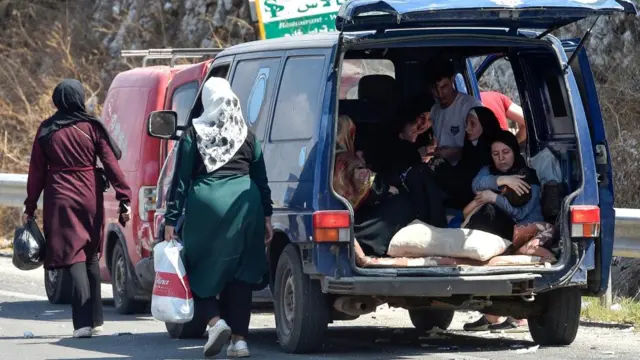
(221, 130)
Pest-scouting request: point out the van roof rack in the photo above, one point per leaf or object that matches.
(169, 53)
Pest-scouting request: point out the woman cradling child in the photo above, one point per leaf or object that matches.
(507, 203)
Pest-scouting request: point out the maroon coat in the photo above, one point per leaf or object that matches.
(73, 213)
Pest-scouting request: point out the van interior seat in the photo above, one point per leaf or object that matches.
(374, 111)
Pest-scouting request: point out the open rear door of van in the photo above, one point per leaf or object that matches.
(597, 279)
(380, 15)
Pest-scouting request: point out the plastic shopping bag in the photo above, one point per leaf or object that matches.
(171, 300)
(28, 246)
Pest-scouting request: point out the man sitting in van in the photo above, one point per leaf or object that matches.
(450, 112)
(449, 115)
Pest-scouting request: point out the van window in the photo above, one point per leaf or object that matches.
(354, 69)
(544, 71)
(253, 82)
(218, 70)
(298, 107)
(182, 99)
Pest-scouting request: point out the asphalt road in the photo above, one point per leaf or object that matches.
(31, 328)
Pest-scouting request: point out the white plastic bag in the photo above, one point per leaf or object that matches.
(171, 300)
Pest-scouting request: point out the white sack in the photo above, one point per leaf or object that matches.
(422, 240)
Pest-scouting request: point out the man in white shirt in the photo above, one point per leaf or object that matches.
(451, 110)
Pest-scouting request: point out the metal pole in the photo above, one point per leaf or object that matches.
(606, 300)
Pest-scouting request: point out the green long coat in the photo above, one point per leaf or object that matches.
(223, 232)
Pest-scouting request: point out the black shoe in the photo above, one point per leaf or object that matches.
(509, 325)
(481, 324)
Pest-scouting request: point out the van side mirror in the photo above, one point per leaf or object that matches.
(163, 124)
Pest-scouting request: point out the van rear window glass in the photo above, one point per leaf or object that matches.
(298, 106)
(553, 94)
(253, 82)
(182, 100)
(354, 69)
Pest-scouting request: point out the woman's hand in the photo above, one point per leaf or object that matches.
(25, 219)
(268, 230)
(516, 183)
(169, 233)
(486, 197)
(126, 215)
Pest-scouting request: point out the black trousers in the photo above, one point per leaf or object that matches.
(233, 306)
(86, 303)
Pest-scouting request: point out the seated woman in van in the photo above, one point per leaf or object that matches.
(402, 148)
(476, 153)
(379, 210)
(395, 162)
(455, 181)
(507, 194)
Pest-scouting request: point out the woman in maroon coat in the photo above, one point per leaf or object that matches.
(63, 164)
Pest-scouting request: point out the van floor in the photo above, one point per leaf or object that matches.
(365, 261)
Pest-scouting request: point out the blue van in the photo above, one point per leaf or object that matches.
(291, 93)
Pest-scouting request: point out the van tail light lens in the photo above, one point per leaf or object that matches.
(331, 226)
(585, 221)
(147, 203)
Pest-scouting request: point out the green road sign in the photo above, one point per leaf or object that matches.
(280, 18)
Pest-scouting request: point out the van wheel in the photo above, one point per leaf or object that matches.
(122, 300)
(57, 284)
(426, 319)
(559, 320)
(302, 311)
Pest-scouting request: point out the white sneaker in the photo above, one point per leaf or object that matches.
(97, 330)
(219, 335)
(238, 350)
(82, 333)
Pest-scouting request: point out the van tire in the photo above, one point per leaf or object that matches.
(58, 286)
(120, 284)
(302, 311)
(426, 319)
(559, 320)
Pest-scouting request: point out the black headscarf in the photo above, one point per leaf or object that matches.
(68, 97)
(475, 157)
(519, 167)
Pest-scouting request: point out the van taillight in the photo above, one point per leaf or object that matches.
(146, 203)
(331, 226)
(585, 221)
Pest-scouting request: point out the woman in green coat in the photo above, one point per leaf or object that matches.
(221, 183)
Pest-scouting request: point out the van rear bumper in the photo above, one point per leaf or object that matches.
(493, 285)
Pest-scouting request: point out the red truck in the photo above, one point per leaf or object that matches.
(134, 94)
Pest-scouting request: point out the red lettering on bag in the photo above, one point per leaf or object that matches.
(169, 285)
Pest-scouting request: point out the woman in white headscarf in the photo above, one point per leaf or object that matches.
(221, 182)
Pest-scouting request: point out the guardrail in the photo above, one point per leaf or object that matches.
(13, 190)
(627, 237)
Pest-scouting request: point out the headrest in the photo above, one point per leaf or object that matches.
(377, 87)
